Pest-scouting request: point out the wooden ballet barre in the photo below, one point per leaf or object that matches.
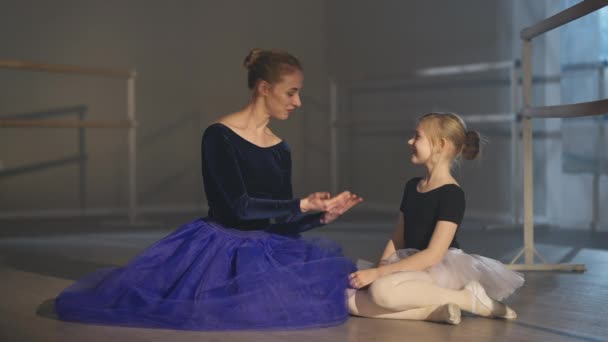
(548, 267)
(64, 68)
(579, 10)
(129, 123)
(463, 69)
(490, 117)
(401, 125)
(68, 123)
(562, 111)
(372, 124)
(591, 108)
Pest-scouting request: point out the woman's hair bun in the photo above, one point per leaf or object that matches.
(251, 58)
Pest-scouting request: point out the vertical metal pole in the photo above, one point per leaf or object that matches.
(82, 162)
(528, 167)
(333, 135)
(597, 174)
(132, 141)
(515, 179)
(348, 129)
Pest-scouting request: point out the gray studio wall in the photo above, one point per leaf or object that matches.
(388, 40)
(188, 56)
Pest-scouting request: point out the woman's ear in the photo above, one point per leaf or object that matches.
(263, 88)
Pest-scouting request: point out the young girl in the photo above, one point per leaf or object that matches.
(423, 275)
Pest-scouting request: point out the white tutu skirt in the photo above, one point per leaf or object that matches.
(459, 268)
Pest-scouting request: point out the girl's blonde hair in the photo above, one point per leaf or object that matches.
(451, 127)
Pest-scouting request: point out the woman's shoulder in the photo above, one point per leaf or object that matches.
(216, 130)
(222, 131)
(273, 138)
(225, 124)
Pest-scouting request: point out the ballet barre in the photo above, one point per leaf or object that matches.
(66, 123)
(430, 78)
(529, 112)
(64, 69)
(130, 123)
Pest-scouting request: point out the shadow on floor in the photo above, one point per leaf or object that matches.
(52, 265)
(47, 309)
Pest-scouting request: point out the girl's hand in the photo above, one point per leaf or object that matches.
(363, 278)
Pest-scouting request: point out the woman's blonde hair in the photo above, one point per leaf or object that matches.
(269, 65)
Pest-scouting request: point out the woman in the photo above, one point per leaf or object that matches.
(244, 266)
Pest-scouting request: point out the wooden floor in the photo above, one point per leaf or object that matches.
(40, 258)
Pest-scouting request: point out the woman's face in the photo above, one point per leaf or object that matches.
(283, 97)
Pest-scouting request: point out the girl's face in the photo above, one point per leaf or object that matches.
(283, 98)
(421, 147)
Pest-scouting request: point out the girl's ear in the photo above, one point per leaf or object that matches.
(445, 145)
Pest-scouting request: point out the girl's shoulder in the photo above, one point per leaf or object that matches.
(447, 188)
(413, 182)
(451, 194)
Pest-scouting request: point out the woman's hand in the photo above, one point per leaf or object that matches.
(322, 201)
(339, 205)
(317, 201)
(363, 278)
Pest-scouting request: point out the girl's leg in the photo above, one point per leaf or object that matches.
(407, 290)
(359, 304)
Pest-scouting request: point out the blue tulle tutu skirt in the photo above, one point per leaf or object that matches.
(205, 276)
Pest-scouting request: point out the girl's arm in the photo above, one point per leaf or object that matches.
(438, 246)
(450, 215)
(396, 241)
(434, 253)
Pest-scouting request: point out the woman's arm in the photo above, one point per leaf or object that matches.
(296, 224)
(224, 172)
